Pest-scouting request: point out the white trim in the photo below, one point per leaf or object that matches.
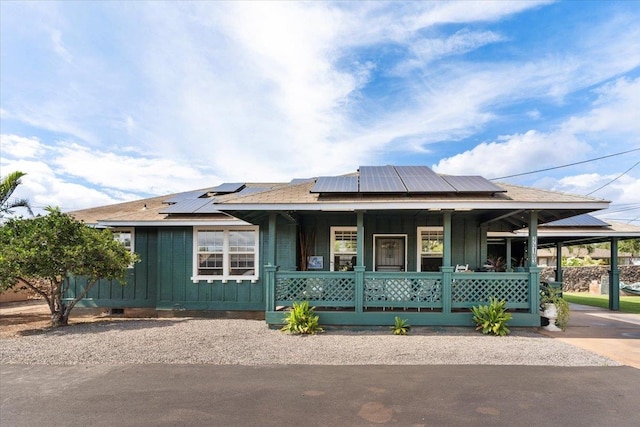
(225, 277)
(419, 231)
(384, 236)
(132, 232)
(333, 243)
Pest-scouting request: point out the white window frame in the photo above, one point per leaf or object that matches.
(131, 231)
(333, 243)
(226, 259)
(419, 243)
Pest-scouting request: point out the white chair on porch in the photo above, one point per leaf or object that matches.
(460, 268)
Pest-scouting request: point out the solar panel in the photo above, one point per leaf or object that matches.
(584, 220)
(186, 206)
(380, 179)
(336, 184)
(472, 184)
(228, 187)
(189, 195)
(421, 179)
(297, 181)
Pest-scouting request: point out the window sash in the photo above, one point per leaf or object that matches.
(344, 248)
(226, 253)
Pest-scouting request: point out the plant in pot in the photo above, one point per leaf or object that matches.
(496, 264)
(555, 308)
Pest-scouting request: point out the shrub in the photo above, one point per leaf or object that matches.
(401, 326)
(492, 318)
(301, 319)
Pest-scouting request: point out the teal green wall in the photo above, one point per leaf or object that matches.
(176, 290)
(163, 277)
(141, 284)
(465, 235)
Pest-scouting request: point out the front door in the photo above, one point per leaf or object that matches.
(390, 253)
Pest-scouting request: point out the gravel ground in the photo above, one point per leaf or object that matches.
(251, 342)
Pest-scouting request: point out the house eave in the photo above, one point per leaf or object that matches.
(180, 223)
(418, 205)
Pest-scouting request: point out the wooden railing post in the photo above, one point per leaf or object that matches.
(534, 289)
(446, 271)
(270, 287)
(359, 290)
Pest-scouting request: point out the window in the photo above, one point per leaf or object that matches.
(344, 243)
(430, 248)
(125, 237)
(226, 253)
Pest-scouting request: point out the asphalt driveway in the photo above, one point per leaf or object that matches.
(206, 395)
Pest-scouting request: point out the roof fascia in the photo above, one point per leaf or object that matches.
(168, 223)
(409, 205)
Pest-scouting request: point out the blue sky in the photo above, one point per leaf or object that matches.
(103, 102)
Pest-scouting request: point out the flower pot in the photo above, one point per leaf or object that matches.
(550, 312)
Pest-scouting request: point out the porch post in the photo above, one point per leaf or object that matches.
(272, 238)
(532, 248)
(359, 268)
(534, 270)
(446, 254)
(614, 277)
(447, 268)
(559, 262)
(509, 266)
(270, 268)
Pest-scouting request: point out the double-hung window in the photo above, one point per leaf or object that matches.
(430, 248)
(226, 253)
(125, 237)
(344, 245)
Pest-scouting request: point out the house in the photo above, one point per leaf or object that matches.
(360, 247)
(547, 256)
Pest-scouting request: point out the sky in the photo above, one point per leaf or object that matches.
(105, 102)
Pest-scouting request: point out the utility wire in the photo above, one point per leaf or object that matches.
(614, 179)
(567, 165)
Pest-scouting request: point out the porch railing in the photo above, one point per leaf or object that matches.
(401, 289)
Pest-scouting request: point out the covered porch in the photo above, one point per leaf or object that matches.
(366, 295)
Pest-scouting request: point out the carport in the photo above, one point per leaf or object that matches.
(578, 230)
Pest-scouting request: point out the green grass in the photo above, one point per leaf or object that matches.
(627, 304)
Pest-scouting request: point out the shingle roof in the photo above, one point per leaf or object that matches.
(297, 195)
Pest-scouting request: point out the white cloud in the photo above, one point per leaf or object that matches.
(514, 154)
(426, 51)
(20, 147)
(617, 110)
(203, 92)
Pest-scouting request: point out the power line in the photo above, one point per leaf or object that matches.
(614, 179)
(566, 166)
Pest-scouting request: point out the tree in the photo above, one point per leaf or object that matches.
(632, 246)
(43, 252)
(8, 185)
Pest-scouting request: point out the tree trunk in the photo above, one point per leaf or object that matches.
(59, 318)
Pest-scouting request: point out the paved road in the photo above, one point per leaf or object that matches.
(205, 395)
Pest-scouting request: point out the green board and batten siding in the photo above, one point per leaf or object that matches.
(162, 279)
(140, 289)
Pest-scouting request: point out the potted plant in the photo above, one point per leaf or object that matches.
(555, 308)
